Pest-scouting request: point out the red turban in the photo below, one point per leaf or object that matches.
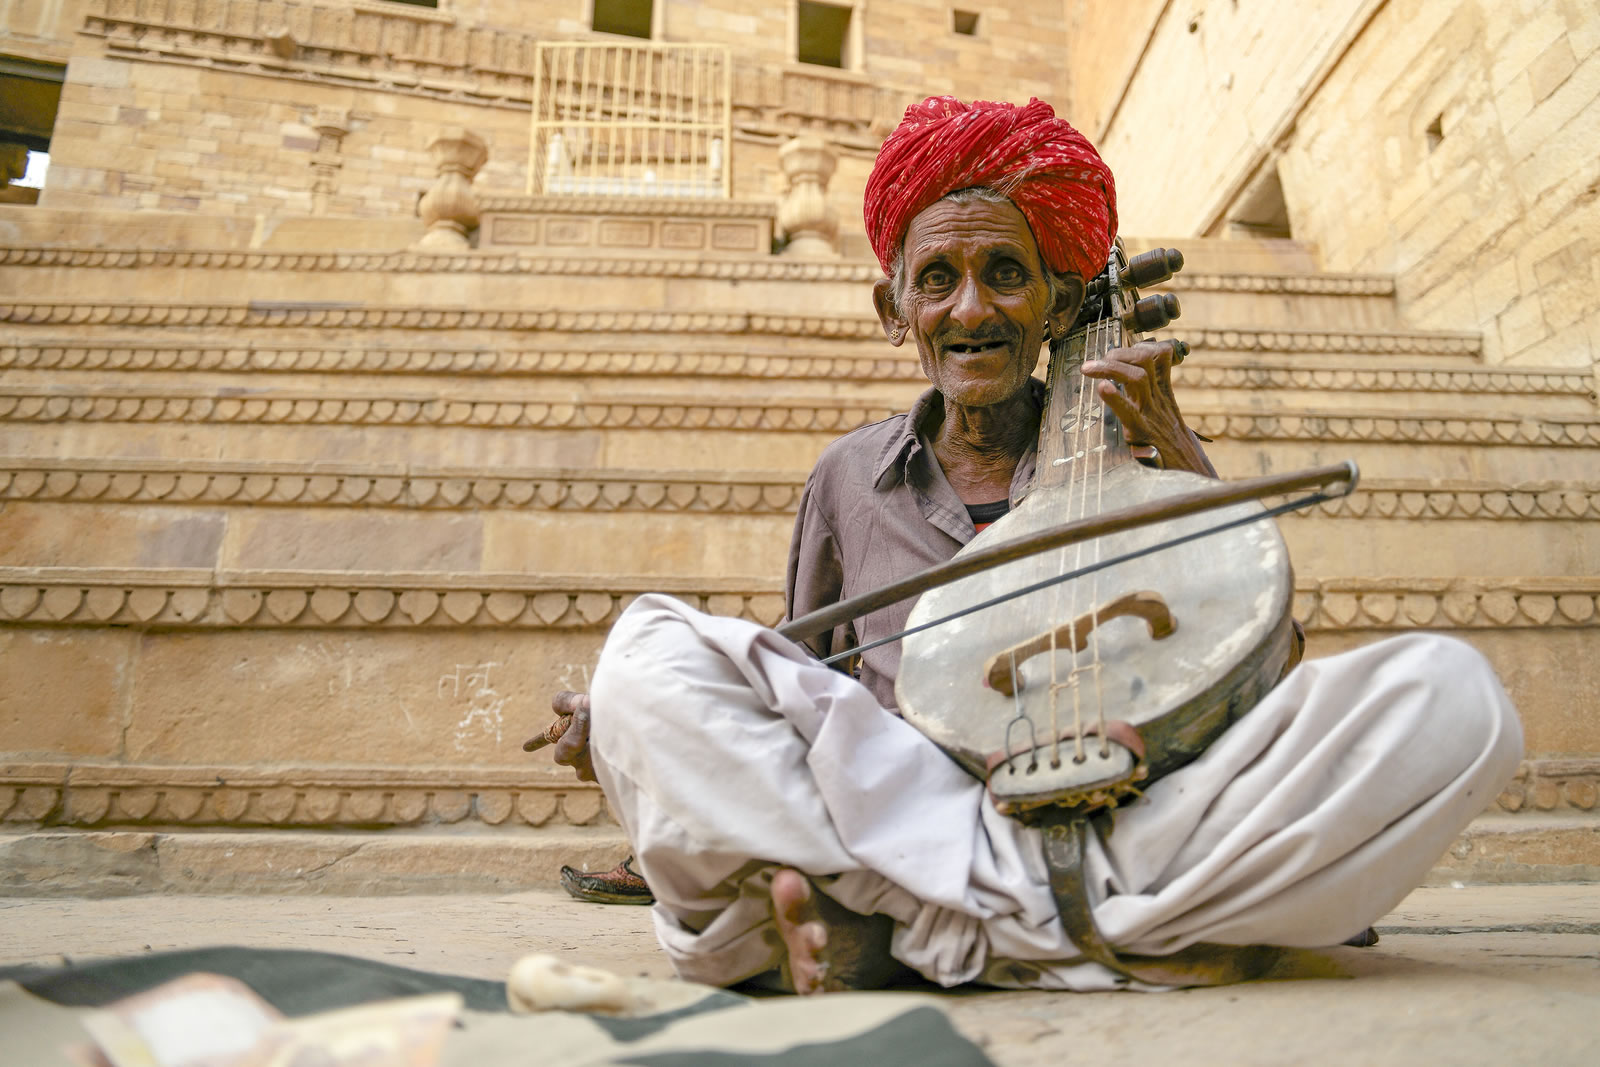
(1047, 168)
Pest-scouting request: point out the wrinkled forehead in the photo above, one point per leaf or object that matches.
(970, 223)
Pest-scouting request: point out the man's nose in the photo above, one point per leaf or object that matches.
(971, 307)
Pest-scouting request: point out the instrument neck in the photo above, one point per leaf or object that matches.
(1079, 437)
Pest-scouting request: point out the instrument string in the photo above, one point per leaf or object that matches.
(1083, 413)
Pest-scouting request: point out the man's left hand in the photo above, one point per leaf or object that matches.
(1136, 384)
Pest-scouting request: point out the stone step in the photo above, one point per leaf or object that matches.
(1213, 373)
(197, 665)
(36, 228)
(124, 862)
(342, 324)
(249, 517)
(478, 423)
(498, 279)
(1493, 850)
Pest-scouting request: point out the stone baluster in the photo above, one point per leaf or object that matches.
(449, 208)
(804, 215)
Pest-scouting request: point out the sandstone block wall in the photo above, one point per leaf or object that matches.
(1454, 143)
(188, 107)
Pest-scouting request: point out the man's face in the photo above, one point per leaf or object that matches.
(975, 301)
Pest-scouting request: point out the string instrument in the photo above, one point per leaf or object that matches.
(1078, 694)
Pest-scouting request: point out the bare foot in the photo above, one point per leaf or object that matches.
(829, 947)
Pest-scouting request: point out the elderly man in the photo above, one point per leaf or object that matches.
(793, 829)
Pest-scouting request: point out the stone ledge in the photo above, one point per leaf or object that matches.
(290, 407)
(1217, 371)
(757, 268)
(340, 315)
(154, 796)
(121, 863)
(1503, 849)
(1493, 850)
(177, 599)
(209, 482)
(118, 795)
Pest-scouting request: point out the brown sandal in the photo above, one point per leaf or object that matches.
(620, 885)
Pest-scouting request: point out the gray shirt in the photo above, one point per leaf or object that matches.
(877, 507)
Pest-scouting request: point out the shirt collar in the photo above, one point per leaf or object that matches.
(915, 431)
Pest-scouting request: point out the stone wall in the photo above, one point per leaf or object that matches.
(1455, 143)
(209, 108)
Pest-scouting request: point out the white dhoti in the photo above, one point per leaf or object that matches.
(725, 750)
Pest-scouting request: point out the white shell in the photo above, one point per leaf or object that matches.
(545, 983)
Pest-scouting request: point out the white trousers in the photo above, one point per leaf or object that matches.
(725, 750)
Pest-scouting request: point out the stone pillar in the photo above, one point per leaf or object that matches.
(449, 208)
(804, 215)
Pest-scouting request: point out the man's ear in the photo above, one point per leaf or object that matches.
(894, 324)
(1069, 300)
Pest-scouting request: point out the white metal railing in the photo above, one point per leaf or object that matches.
(636, 119)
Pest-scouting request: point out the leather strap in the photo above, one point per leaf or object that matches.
(1066, 835)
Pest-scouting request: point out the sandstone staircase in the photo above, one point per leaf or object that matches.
(295, 543)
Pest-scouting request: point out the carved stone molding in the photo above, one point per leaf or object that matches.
(1543, 785)
(202, 600)
(1224, 372)
(199, 483)
(1446, 603)
(336, 316)
(302, 409)
(112, 795)
(513, 204)
(761, 268)
(153, 405)
(266, 484)
(1580, 432)
(1285, 284)
(108, 795)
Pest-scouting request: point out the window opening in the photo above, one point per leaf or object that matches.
(630, 18)
(30, 94)
(964, 22)
(417, 3)
(821, 33)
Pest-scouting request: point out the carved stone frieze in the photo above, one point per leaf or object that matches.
(20, 403)
(513, 204)
(111, 795)
(760, 268)
(185, 599)
(1227, 373)
(300, 409)
(264, 484)
(300, 316)
(108, 795)
(199, 600)
(1445, 603)
(1543, 785)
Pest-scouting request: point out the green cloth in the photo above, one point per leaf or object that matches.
(682, 1025)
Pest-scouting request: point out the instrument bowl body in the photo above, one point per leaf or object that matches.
(1230, 595)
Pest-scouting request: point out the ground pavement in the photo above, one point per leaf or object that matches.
(1485, 974)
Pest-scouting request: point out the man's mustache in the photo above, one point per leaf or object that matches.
(996, 334)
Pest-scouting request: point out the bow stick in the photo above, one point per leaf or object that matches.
(1220, 495)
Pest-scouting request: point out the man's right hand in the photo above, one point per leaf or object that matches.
(569, 734)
